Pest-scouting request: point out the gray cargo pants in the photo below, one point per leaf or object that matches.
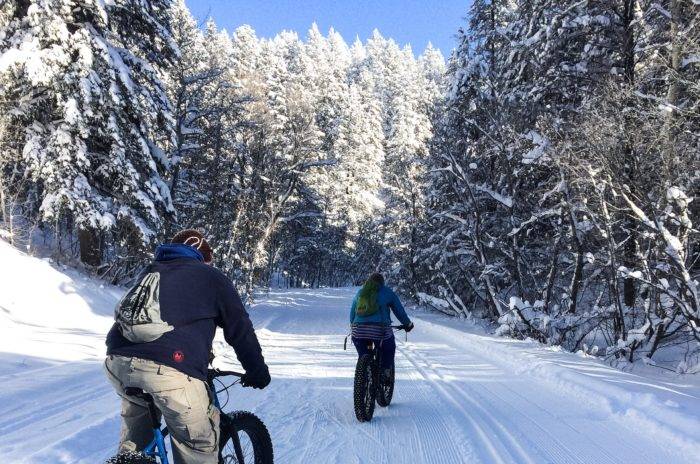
(193, 422)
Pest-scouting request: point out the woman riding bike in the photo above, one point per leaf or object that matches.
(370, 319)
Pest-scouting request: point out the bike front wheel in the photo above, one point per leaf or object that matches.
(244, 440)
(364, 391)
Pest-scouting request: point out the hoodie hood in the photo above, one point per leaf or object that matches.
(171, 251)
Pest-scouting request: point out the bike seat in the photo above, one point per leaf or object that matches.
(138, 393)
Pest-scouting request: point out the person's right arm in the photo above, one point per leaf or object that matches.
(398, 309)
(239, 332)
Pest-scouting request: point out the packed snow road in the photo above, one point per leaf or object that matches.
(461, 396)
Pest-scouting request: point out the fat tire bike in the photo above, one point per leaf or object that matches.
(243, 437)
(371, 384)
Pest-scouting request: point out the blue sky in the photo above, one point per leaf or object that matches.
(409, 21)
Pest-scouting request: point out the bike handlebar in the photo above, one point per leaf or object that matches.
(214, 373)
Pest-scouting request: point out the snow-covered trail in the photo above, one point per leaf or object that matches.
(461, 396)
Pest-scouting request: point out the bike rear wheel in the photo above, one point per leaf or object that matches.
(365, 388)
(385, 390)
(254, 443)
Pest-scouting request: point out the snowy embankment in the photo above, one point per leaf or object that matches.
(461, 395)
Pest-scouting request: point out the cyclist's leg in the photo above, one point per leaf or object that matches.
(136, 429)
(361, 346)
(388, 348)
(193, 422)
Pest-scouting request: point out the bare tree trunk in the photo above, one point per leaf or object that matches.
(620, 329)
(90, 246)
(413, 245)
(552, 276)
(630, 249)
(5, 208)
(21, 8)
(172, 225)
(5, 214)
(577, 277)
(673, 92)
(515, 251)
(490, 287)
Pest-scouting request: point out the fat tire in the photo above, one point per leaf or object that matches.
(131, 457)
(244, 421)
(365, 376)
(386, 389)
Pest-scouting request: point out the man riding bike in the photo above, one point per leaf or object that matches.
(370, 319)
(161, 343)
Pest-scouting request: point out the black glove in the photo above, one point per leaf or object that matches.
(256, 379)
(408, 327)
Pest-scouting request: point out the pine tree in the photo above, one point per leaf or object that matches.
(98, 119)
(397, 82)
(187, 84)
(548, 189)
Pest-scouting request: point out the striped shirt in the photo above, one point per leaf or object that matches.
(372, 331)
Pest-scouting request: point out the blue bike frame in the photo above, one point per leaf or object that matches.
(157, 447)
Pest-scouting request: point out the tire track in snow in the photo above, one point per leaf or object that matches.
(437, 436)
(53, 397)
(26, 373)
(580, 447)
(91, 451)
(588, 440)
(554, 451)
(496, 448)
(316, 423)
(377, 453)
(48, 408)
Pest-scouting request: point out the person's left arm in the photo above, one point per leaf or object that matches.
(352, 309)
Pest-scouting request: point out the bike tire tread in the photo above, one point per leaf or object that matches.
(131, 457)
(363, 412)
(255, 429)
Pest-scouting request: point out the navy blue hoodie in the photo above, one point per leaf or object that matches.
(195, 298)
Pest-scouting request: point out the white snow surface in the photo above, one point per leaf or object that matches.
(461, 395)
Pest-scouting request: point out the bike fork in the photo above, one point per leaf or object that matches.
(237, 446)
(157, 446)
(163, 454)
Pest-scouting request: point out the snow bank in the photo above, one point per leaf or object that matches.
(50, 313)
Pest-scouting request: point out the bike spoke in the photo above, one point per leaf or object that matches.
(239, 451)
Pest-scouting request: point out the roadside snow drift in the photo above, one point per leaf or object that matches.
(461, 396)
